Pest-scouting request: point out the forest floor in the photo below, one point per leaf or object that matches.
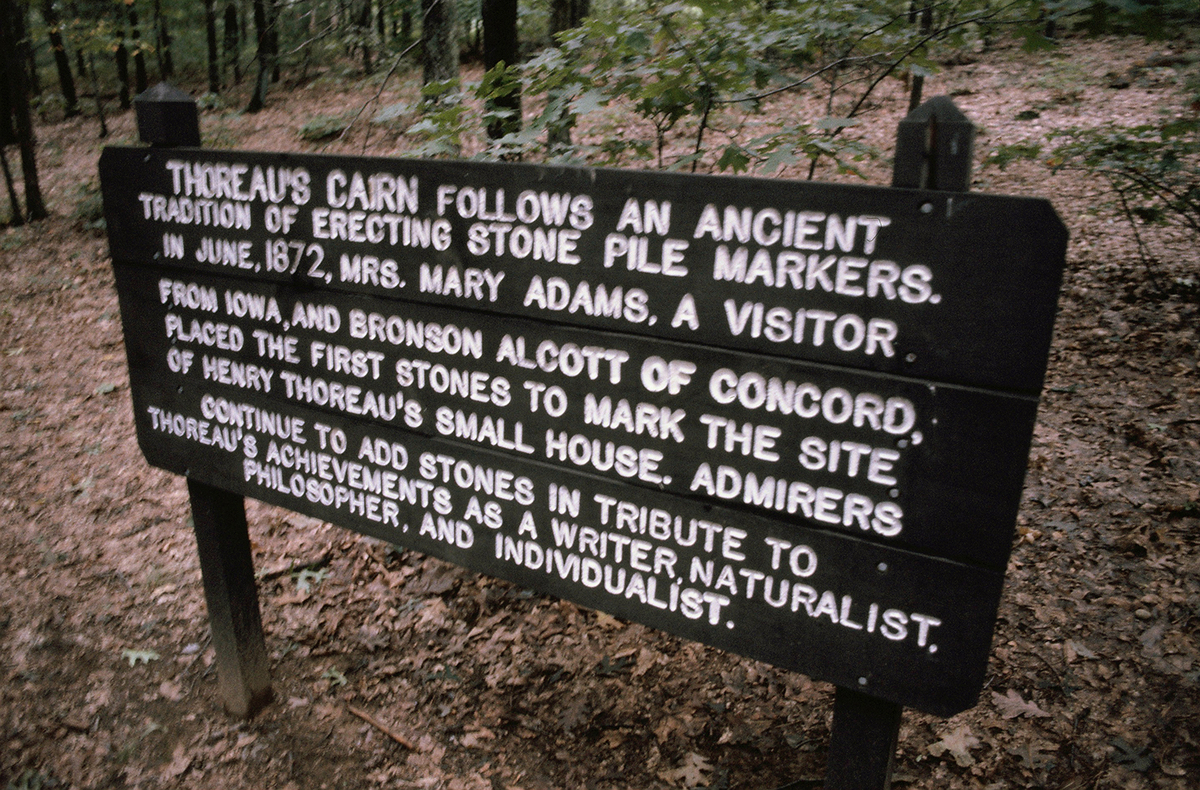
(106, 669)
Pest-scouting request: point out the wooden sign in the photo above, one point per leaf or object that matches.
(788, 420)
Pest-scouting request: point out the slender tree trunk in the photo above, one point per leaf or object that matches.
(232, 42)
(918, 80)
(141, 80)
(438, 41)
(567, 15)
(364, 35)
(564, 15)
(121, 56)
(501, 48)
(62, 63)
(99, 101)
(162, 37)
(258, 98)
(210, 34)
(8, 134)
(81, 63)
(273, 38)
(17, 81)
(15, 219)
(33, 83)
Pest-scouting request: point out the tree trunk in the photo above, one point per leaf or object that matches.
(15, 218)
(96, 91)
(8, 134)
(501, 50)
(62, 63)
(567, 15)
(121, 56)
(272, 7)
(918, 80)
(564, 15)
(439, 42)
(363, 23)
(258, 98)
(141, 81)
(232, 42)
(210, 34)
(12, 22)
(162, 39)
(33, 84)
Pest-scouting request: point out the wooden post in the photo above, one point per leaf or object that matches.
(934, 149)
(862, 746)
(223, 543)
(167, 117)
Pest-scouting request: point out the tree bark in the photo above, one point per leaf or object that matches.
(232, 42)
(140, 79)
(258, 98)
(363, 23)
(273, 38)
(8, 134)
(15, 218)
(62, 63)
(162, 39)
(564, 15)
(501, 49)
(918, 81)
(567, 14)
(33, 83)
(121, 56)
(439, 42)
(18, 86)
(210, 33)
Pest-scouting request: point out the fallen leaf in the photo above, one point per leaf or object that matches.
(180, 762)
(473, 738)
(171, 690)
(608, 621)
(1133, 757)
(959, 744)
(135, 657)
(574, 713)
(1028, 754)
(690, 772)
(1012, 706)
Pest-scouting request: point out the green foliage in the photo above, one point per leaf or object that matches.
(446, 121)
(1154, 169)
(686, 80)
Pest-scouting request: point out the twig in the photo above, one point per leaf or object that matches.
(388, 731)
(294, 566)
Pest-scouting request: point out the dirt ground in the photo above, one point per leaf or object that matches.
(394, 670)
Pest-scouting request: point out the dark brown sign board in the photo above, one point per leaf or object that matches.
(789, 420)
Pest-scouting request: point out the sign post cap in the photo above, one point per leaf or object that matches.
(935, 145)
(167, 117)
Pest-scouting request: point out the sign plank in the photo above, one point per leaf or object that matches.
(888, 459)
(951, 287)
(912, 629)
